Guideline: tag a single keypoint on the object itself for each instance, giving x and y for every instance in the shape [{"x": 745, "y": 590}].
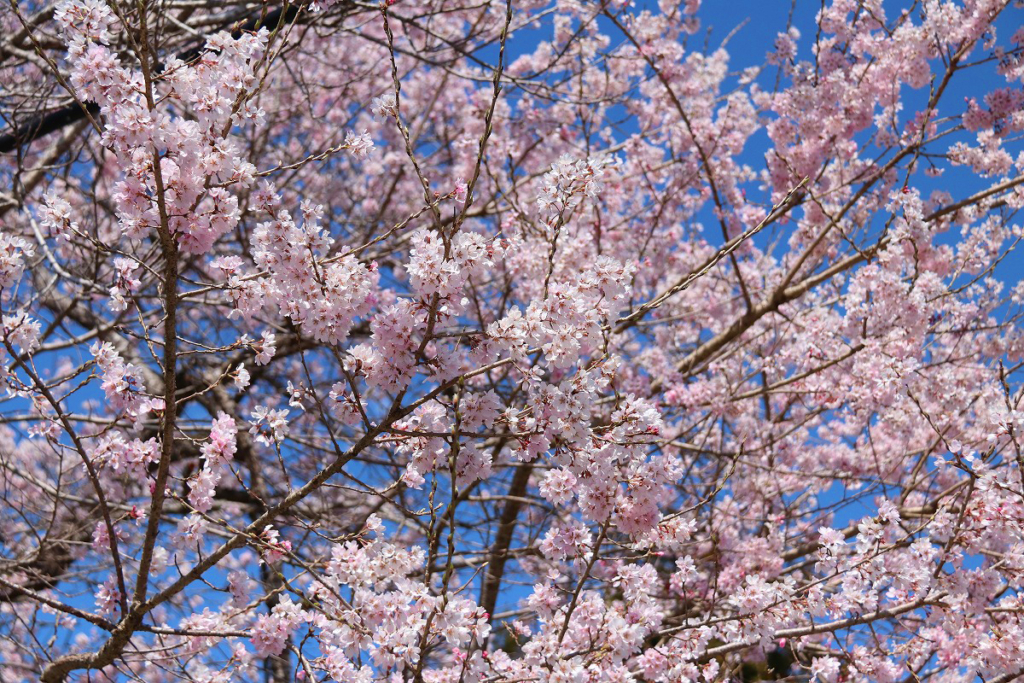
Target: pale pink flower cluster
[
  {"x": 86, "y": 20},
  {"x": 567, "y": 323},
  {"x": 56, "y": 216},
  {"x": 388, "y": 610},
  {"x": 384, "y": 106},
  {"x": 324, "y": 296},
  {"x": 572, "y": 540},
  {"x": 101, "y": 537},
  {"x": 191, "y": 150},
  {"x": 122, "y": 382},
  {"x": 265, "y": 348},
  {"x": 269, "y": 426},
  {"x": 437, "y": 268},
  {"x": 271, "y": 631},
  {"x": 206, "y": 621},
  {"x": 570, "y": 181},
  {"x": 13, "y": 252},
  {"x": 131, "y": 457},
  {"x": 217, "y": 452},
  {"x": 343, "y": 405},
  {"x": 618, "y": 627},
  {"x": 21, "y": 331},
  {"x": 108, "y": 598},
  {"x": 124, "y": 283},
  {"x": 359, "y": 145},
  {"x": 272, "y": 547}
]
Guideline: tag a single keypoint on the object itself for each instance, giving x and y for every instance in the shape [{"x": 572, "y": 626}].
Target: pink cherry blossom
[{"x": 504, "y": 342}]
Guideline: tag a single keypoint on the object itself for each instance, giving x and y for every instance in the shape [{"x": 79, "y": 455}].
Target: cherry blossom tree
[{"x": 510, "y": 340}]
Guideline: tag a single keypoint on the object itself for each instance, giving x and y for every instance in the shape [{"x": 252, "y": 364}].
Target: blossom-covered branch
[{"x": 510, "y": 341}]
